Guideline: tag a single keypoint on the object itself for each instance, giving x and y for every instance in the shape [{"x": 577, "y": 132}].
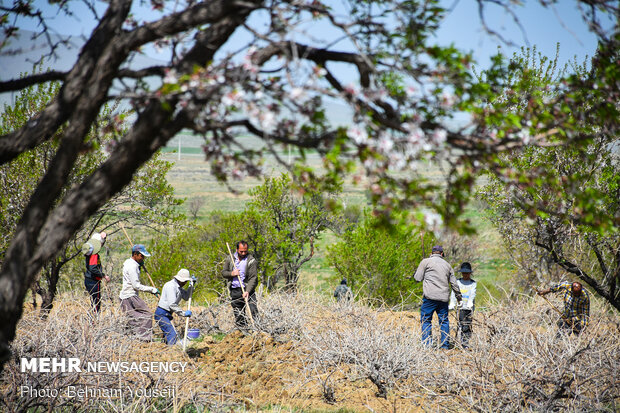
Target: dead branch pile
[{"x": 309, "y": 354}]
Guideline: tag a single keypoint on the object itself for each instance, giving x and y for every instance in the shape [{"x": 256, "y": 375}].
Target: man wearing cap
[
  {"x": 171, "y": 295},
  {"x": 343, "y": 291},
  {"x": 242, "y": 270},
  {"x": 94, "y": 271},
  {"x": 438, "y": 278},
  {"x": 465, "y": 309},
  {"x": 140, "y": 317},
  {"x": 576, "y": 315}
]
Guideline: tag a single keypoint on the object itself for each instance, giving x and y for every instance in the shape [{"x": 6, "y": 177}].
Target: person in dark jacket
[
  {"x": 94, "y": 271},
  {"x": 243, "y": 270},
  {"x": 343, "y": 291}
]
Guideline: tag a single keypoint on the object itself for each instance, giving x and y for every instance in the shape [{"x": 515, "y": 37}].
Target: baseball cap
[
  {"x": 141, "y": 249},
  {"x": 437, "y": 248}
]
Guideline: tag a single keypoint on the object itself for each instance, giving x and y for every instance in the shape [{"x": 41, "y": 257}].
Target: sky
[{"x": 543, "y": 27}]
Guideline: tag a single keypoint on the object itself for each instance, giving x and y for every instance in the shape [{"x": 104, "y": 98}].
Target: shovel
[{"x": 189, "y": 305}]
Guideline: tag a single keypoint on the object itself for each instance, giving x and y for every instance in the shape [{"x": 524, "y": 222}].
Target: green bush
[
  {"x": 378, "y": 261},
  {"x": 200, "y": 249}
]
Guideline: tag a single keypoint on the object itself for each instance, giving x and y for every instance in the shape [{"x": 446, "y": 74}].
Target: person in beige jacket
[{"x": 438, "y": 280}]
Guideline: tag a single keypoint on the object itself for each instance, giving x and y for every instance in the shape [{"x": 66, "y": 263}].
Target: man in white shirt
[
  {"x": 171, "y": 295},
  {"x": 466, "y": 306},
  {"x": 140, "y": 317}
]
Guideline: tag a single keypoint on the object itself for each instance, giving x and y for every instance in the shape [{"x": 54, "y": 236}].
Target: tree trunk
[{"x": 52, "y": 275}]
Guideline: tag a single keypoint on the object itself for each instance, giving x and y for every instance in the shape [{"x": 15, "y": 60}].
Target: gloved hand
[
  {"x": 155, "y": 291},
  {"x": 194, "y": 279},
  {"x": 187, "y": 313}
]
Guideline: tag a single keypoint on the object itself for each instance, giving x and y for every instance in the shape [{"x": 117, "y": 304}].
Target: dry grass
[{"x": 313, "y": 355}]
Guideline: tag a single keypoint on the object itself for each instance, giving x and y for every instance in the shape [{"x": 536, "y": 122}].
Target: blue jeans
[
  {"x": 426, "y": 317},
  {"x": 163, "y": 319}
]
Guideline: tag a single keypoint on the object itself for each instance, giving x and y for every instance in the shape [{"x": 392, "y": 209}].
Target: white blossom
[
  {"x": 171, "y": 76},
  {"x": 297, "y": 93},
  {"x": 385, "y": 144},
  {"x": 447, "y": 100},
  {"x": 432, "y": 219},
  {"x": 397, "y": 160},
  {"x": 440, "y": 136},
  {"x": 410, "y": 91},
  {"x": 358, "y": 135},
  {"x": 267, "y": 119},
  {"x": 415, "y": 135},
  {"x": 524, "y": 136}
]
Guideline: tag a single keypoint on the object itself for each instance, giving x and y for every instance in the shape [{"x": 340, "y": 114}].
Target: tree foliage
[
  {"x": 547, "y": 242},
  {"x": 148, "y": 200},
  {"x": 279, "y": 223},
  {"x": 287, "y": 224},
  {"x": 379, "y": 261},
  {"x": 264, "y": 68},
  {"x": 201, "y": 249}
]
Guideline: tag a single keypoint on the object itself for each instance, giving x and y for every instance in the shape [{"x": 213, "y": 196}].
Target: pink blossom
[
  {"x": 440, "y": 136},
  {"x": 297, "y": 93},
  {"x": 350, "y": 89},
  {"x": 447, "y": 100},
  {"x": 171, "y": 76},
  {"x": 359, "y": 135}
]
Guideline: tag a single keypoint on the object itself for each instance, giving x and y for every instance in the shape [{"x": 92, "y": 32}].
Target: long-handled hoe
[
  {"x": 189, "y": 307},
  {"x": 456, "y": 326},
  {"x": 131, "y": 246},
  {"x": 247, "y": 304}
]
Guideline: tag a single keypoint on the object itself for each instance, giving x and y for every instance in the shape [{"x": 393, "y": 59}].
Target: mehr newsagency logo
[{"x": 75, "y": 365}]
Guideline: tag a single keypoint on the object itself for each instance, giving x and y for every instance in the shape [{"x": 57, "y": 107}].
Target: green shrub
[{"x": 378, "y": 261}]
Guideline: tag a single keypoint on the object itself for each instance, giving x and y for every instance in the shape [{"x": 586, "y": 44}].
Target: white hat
[
  {"x": 183, "y": 275},
  {"x": 99, "y": 236}
]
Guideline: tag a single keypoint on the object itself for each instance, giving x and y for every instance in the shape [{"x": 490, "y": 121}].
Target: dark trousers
[
  {"x": 163, "y": 319},
  {"x": 465, "y": 321},
  {"x": 238, "y": 305},
  {"x": 568, "y": 326},
  {"x": 93, "y": 287}
]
